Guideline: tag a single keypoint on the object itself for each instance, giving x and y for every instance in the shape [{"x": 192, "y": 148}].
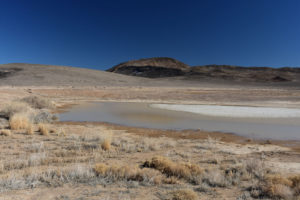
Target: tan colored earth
[{"x": 30, "y": 164}]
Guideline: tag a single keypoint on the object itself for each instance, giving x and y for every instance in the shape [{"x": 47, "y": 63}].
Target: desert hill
[
  {"x": 168, "y": 67},
  {"x": 154, "y": 72},
  {"x": 152, "y": 67},
  {"x": 21, "y": 74}
]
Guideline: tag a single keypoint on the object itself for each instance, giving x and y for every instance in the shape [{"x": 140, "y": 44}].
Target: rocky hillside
[
  {"x": 152, "y": 68},
  {"x": 168, "y": 67}
]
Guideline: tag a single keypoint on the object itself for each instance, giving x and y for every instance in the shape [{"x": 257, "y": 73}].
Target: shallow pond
[{"x": 252, "y": 122}]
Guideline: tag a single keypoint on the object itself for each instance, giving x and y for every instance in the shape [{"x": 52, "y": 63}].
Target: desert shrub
[
  {"x": 276, "y": 186},
  {"x": 19, "y": 121},
  {"x": 127, "y": 173},
  {"x": 3, "y": 123},
  {"x": 215, "y": 178},
  {"x": 50, "y": 177},
  {"x": 61, "y": 132},
  {"x": 295, "y": 180},
  {"x": 38, "y": 102},
  {"x": 15, "y": 107},
  {"x": 186, "y": 171},
  {"x": 106, "y": 144},
  {"x": 255, "y": 167},
  {"x": 36, "y": 158},
  {"x": 278, "y": 191},
  {"x": 186, "y": 194},
  {"x": 278, "y": 179},
  {"x": 5, "y": 132},
  {"x": 43, "y": 129},
  {"x": 29, "y": 129},
  {"x": 43, "y": 116}
]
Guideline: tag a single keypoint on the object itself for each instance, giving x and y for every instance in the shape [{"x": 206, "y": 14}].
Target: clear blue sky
[{"x": 100, "y": 34}]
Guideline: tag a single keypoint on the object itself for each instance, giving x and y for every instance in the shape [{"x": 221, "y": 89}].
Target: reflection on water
[{"x": 142, "y": 115}]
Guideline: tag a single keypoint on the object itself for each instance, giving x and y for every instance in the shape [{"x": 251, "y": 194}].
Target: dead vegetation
[
  {"x": 186, "y": 194},
  {"x": 38, "y": 102},
  {"x": 276, "y": 186},
  {"x": 57, "y": 160},
  {"x": 23, "y": 114},
  {"x": 5, "y": 132},
  {"x": 19, "y": 121},
  {"x": 170, "y": 168},
  {"x": 15, "y": 107},
  {"x": 115, "y": 173},
  {"x": 43, "y": 129},
  {"x": 188, "y": 171}
]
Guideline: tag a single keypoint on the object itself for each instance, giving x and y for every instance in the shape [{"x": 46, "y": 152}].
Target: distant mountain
[
  {"x": 169, "y": 67},
  {"x": 152, "y": 67}
]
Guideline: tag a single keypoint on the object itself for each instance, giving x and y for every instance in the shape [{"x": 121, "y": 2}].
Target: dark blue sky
[{"x": 100, "y": 34}]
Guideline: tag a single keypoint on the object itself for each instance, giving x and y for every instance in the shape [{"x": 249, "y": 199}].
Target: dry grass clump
[
  {"x": 43, "y": 129},
  {"x": 15, "y": 107},
  {"x": 127, "y": 173},
  {"x": 278, "y": 191},
  {"x": 278, "y": 187},
  {"x": 5, "y": 132},
  {"x": 19, "y": 121},
  {"x": 278, "y": 179},
  {"x": 106, "y": 144},
  {"x": 61, "y": 132},
  {"x": 38, "y": 102},
  {"x": 30, "y": 129},
  {"x": 186, "y": 171},
  {"x": 186, "y": 194},
  {"x": 296, "y": 184}
]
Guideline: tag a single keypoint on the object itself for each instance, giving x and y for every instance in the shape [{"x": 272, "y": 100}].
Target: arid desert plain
[{"x": 46, "y": 156}]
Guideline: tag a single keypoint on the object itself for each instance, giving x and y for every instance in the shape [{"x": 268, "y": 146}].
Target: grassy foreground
[{"x": 42, "y": 159}]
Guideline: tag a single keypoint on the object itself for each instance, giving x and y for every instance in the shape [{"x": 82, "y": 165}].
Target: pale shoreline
[{"x": 233, "y": 111}]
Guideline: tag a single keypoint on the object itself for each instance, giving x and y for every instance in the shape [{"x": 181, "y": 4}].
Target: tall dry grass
[
  {"x": 43, "y": 129},
  {"x": 128, "y": 173},
  {"x": 19, "y": 121},
  {"x": 181, "y": 170},
  {"x": 30, "y": 129},
  {"x": 106, "y": 144},
  {"x": 277, "y": 186}
]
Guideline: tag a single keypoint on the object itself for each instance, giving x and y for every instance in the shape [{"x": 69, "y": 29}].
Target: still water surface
[{"x": 281, "y": 124}]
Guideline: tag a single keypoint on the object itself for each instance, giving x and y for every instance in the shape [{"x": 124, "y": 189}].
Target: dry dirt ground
[{"x": 104, "y": 161}]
